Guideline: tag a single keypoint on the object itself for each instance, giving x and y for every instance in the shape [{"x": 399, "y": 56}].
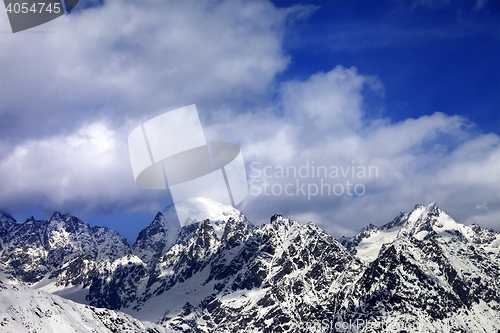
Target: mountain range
[{"x": 423, "y": 271}]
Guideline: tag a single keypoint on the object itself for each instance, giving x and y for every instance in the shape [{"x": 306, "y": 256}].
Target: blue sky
[
  {"x": 411, "y": 87},
  {"x": 430, "y": 55}
]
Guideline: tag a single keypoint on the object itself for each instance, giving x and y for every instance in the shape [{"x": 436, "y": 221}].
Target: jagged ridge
[{"x": 227, "y": 275}]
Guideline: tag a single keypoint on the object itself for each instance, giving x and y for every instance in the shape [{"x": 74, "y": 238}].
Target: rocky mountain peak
[
  {"x": 423, "y": 222},
  {"x": 219, "y": 273},
  {"x": 166, "y": 229},
  {"x": 278, "y": 221},
  {"x": 7, "y": 222},
  {"x": 5, "y": 217},
  {"x": 30, "y": 219},
  {"x": 59, "y": 215},
  {"x": 235, "y": 232},
  {"x": 206, "y": 232}
]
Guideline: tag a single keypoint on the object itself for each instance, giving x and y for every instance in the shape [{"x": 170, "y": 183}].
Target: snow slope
[{"x": 23, "y": 309}]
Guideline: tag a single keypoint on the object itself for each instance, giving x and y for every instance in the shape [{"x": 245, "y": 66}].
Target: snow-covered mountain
[
  {"x": 37, "y": 249},
  {"x": 162, "y": 233},
  {"x": 23, "y": 309},
  {"x": 420, "y": 223},
  {"x": 220, "y": 273}
]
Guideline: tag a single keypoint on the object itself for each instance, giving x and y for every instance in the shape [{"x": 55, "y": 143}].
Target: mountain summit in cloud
[{"x": 220, "y": 273}]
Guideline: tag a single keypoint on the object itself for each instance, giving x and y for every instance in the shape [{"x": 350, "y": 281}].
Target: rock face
[
  {"x": 37, "y": 249},
  {"x": 421, "y": 223},
  {"x": 219, "y": 273}
]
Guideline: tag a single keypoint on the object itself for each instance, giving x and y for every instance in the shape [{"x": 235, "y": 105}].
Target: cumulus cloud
[
  {"x": 72, "y": 89},
  {"x": 70, "y": 99},
  {"x": 129, "y": 59},
  {"x": 87, "y": 171},
  {"x": 330, "y": 100},
  {"x": 432, "y": 158}
]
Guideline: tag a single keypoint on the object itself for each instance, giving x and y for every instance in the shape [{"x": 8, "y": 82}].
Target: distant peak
[
  {"x": 368, "y": 228},
  {"x": 198, "y": 209},
  {"x": 279, "y": 220},
  {"x": 58, "y": 215},
  {"x": 6, "y": 216},
  {"x": 420, "y": 211},
  {"x": 418, "y": 206},
  {"x": 276, "y": 217},
  {"x": 433, "y": 209}
]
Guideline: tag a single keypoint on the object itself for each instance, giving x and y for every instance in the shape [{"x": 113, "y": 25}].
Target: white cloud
[
  {"x": 129, "y": 58},
  {"x": 70, "y": 98},
  {"x": 431, "y": 158},
  {"x": 331, "y": 100},
  {"x": 87, "y": 170}
]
